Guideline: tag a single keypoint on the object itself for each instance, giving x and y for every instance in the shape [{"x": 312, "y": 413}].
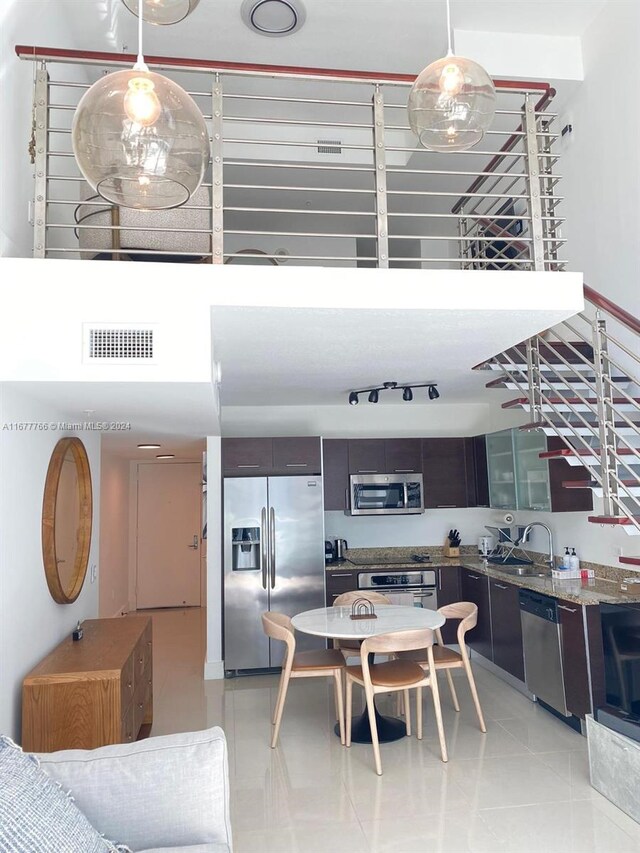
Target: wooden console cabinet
[{"x": 92, "y": 692}]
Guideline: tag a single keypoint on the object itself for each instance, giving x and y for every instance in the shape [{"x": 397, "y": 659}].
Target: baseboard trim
[
  {"x": 489, "y": 665},
  {"x": 213, "y": 670}
]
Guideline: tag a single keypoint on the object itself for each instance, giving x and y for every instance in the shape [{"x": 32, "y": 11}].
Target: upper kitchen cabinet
[
  {"x": 403, "y": 455},
  {"x": 297, "y": 455},
  {"x": 367, "y": 456},
  {"x": 501, "y": 470},
  {"x": 259, "y": 457},
  {"x": 335, "y": 458},
  {"x": 454, "y": 476},
  {"x": 520, "y": 479}
]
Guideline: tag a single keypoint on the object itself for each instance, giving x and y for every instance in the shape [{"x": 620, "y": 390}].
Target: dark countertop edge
[{"x": 586, "y": 597}]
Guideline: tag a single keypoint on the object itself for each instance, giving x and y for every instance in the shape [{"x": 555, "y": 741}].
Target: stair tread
[
  {"x": 582, "y": 451},
  {"x": 501, "y": 381},
  {"x": 547, "y": 350},
  {"x": 521, "y": 401},
  {"x": 594, "y": 484},
  {"x": 630, "y": 561},
  {"x": 613, "y": 519}
]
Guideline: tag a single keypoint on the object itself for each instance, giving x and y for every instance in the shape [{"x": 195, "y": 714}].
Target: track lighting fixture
[{"x": 373, "y": 394}]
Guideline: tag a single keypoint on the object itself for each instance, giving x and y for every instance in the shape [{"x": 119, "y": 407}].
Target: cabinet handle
[
  {"x": 141, "y": 660},
  {"x": 367, "y": 471},
  {"x": 247, "y": 466},
  {"x": 296, "y": 465},
  {"x": 346, "y": 498},
  {"x": 341, "y": 574},
  {"x": 404, "y": 470},
  {"x": 474, "y": 577},
  {"x": 446, "y": 506},
  {"x": 500, "y": 586},
  {"x": 129, "y": 685},
  {"x": 568, "y": 609}
]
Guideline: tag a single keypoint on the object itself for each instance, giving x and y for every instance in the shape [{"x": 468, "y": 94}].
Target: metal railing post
[
  {"x": 380, "y": 163},
  {"x": 41, "y": 136},
  {"x": 606, "y": 418},
  {"x": 217, "y": 174},
  {"x": 535, "y": 383},
  {"x": 534, "y": 188}
]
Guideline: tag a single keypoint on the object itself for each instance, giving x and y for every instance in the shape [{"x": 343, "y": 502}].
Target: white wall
[
  {"x": 31, "y": 623},
  {"x": 213, "y": 667},
  {"x": 114, "y": 534}
]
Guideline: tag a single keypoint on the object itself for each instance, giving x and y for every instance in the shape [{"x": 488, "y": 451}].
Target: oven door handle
[{"x": 406, "y": 495}]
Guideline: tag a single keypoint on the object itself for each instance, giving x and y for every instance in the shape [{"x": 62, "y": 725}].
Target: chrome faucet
[{"x": 550, "y": 560}]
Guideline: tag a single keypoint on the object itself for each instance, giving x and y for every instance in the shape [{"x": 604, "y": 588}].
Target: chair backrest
[
  {"x": 466, "y": 611},
  {"x": 347, "y": 598},
  {"x": 398, "y": 641},
  {"x": 279, "y": 627}
]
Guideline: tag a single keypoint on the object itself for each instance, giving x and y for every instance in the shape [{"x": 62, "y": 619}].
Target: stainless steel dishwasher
[{"x": 542, "y": 645}]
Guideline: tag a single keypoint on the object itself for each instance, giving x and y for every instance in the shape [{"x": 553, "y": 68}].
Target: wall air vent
[
  {"x": 118, "y": 343},
  {"x": 329, "y": 146}
]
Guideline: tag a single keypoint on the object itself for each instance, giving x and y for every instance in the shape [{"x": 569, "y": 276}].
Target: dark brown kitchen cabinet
[
  {"x": 339, "y": 581},
  {"x": 296, "y": 455},
  {"x": 335, "y": 453},
  {"x": 475, "y": 587},
  {"x": 479, "y": 473},
  {"x": 574, "y": 658},
  {"x": 403, "y": 455},
  {"x": 449, "y": 593},
  {"x": 444, "y": 471},
  {"x": 247, "y": 457},
  {"x": 567, "y": 500},
  {"x": 366, "y": 456},
  {"x": 506, "y": 628}
]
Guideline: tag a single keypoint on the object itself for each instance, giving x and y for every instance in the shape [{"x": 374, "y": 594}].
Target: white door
[{"x": 168, "y": 535}]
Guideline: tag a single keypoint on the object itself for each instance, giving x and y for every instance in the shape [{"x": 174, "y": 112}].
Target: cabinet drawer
[
  {"x": 127, "y": 732},
  {"x": 339, "y": 582}
]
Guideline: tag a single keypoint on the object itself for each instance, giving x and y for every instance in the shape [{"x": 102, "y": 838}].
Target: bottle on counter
[
  {"x": 566, "y": 560},
  {"x": 574, "y": 562}
]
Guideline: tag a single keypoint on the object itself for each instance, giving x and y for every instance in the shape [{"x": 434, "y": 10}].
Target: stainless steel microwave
[{"x": 386, "y": 494}]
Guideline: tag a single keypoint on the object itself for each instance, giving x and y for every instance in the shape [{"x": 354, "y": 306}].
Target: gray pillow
[{"x": 36, "y": 815}]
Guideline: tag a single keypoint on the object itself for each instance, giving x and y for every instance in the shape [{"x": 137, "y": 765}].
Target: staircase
[{"x": 581, "y": 383}]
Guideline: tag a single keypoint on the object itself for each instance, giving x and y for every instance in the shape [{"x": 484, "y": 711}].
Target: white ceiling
[{"x": 383, "y": 35}]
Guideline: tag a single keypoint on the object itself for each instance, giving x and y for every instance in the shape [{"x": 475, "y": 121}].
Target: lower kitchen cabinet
[
  {"x": 338, "y": 581},
  {"x": 475, "y": 587},
  {"x": 574, "y": 659},
  {"x": 449, "y": 593},
  {"x": 506, "y": 627}
]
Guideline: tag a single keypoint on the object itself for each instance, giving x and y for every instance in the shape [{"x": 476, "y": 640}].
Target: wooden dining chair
[
  {"x": 351, "y": 648},
  {"x": 447, "y": 659},
  {"x": 393, "y": 676},
  {"x": 313, "y": 664}
]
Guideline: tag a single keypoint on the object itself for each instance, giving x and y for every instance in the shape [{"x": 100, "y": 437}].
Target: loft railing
[{"x": 310, "y": 166}]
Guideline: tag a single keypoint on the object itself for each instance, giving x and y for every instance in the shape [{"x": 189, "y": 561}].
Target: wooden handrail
[
  {"x": 95, "y": 57},
  {"x": 611, "y": 308}
]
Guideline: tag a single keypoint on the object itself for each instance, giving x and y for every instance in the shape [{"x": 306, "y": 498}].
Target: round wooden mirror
[{"x": 67, "y": 511}]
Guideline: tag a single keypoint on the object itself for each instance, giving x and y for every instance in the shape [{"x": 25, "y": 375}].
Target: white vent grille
[
  {"x": 329, "y": 146},
  {"x": 119, "y": 343}
]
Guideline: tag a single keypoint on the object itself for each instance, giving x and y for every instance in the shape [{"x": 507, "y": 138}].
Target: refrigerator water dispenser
[{"x": 246, "y": 549}]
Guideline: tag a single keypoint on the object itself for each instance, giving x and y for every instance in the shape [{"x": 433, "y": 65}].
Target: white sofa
[{"x": 165, "y": 794}]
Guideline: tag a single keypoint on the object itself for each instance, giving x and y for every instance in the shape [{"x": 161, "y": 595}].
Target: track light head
[
  {"x": 353, "y": 399},
  {"x": 373, "y": 396},
  {"x": 433, "y": 392},
  {"x": 407, "y": 395}
]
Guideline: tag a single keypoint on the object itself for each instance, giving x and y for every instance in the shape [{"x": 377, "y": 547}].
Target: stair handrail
[{"x": 609, "y": 307}]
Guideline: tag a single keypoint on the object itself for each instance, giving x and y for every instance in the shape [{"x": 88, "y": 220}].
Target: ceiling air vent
[
  {"x": 329, "y": 146},
  {"x": 119, "y": 343}
]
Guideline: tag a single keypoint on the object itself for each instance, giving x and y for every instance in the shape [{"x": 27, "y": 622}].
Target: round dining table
[{"x": 336, "y": 623}]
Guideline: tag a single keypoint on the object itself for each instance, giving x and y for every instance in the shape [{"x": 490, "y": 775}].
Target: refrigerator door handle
[
  {"x": 272, "y": 545},
  {"x": 263, "y": 545}
]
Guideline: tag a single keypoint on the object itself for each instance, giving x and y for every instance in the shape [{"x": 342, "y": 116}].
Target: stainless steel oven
[
  {"x": 417, "y": 588},
  {"x": 386, "y": 494}
]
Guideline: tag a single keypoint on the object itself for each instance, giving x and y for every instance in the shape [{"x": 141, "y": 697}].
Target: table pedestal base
[{"x": 389, "y": 728}]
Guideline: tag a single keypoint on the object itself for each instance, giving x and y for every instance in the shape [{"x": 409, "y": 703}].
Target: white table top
[{"x": 335, "y": 621}]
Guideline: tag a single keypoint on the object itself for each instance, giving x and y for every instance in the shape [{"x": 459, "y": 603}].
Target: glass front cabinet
[{"x": 518, "y": 478}]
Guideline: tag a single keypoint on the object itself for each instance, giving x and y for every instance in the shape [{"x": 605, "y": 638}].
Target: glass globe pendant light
[
  {"x": 163, "y": 12},
  {"x": 452, "y": 102},
  {"x": 139, "y": 139}
]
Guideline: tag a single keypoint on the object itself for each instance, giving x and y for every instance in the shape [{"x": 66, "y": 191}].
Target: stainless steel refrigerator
[{"x": 273, "y": 560}]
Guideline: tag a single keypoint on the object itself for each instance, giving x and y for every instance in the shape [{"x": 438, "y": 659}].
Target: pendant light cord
[
  {"x": 140, "y": 65},
  {"x": 450, "y": 50}
]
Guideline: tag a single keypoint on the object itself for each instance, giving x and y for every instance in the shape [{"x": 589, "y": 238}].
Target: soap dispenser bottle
[
  {"x": 566, "y": 560},
  {"x": 574, "y": 562}
]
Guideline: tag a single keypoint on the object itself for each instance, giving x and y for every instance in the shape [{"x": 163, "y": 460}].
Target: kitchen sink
[
  {"x": 526, "y": 571},
  {"x": 509, "y": 561}
]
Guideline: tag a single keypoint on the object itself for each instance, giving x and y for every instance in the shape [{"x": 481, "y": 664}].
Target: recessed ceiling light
[
  {"x": 274, "y": 18},
  {"x": 149, "y": 446},
  {"x": 166, "y": 456}
]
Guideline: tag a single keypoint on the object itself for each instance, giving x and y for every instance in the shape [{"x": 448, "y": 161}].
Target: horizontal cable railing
[{"x": 313, "y": 166}]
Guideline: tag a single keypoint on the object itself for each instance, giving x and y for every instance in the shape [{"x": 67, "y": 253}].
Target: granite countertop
[{"x": 592, "y": 591}]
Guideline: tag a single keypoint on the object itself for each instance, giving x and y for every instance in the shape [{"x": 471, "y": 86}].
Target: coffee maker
[{"x": 329, "y": 555}]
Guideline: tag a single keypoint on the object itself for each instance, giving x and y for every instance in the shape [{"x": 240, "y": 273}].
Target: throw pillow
[{"x": 36, "y": 815}]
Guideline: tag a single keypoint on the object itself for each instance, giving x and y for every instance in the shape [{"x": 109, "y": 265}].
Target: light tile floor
[{"x": 524, "y": 786}]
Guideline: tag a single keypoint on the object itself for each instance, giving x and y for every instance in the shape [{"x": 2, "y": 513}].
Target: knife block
[{"x": 451, "y": 552}]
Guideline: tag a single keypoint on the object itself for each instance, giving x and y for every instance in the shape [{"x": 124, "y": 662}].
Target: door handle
[
  {"x": 263, "y": 545},
  {"x": 272, "y": 543},
  {"x": 194, "y": 545}
]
